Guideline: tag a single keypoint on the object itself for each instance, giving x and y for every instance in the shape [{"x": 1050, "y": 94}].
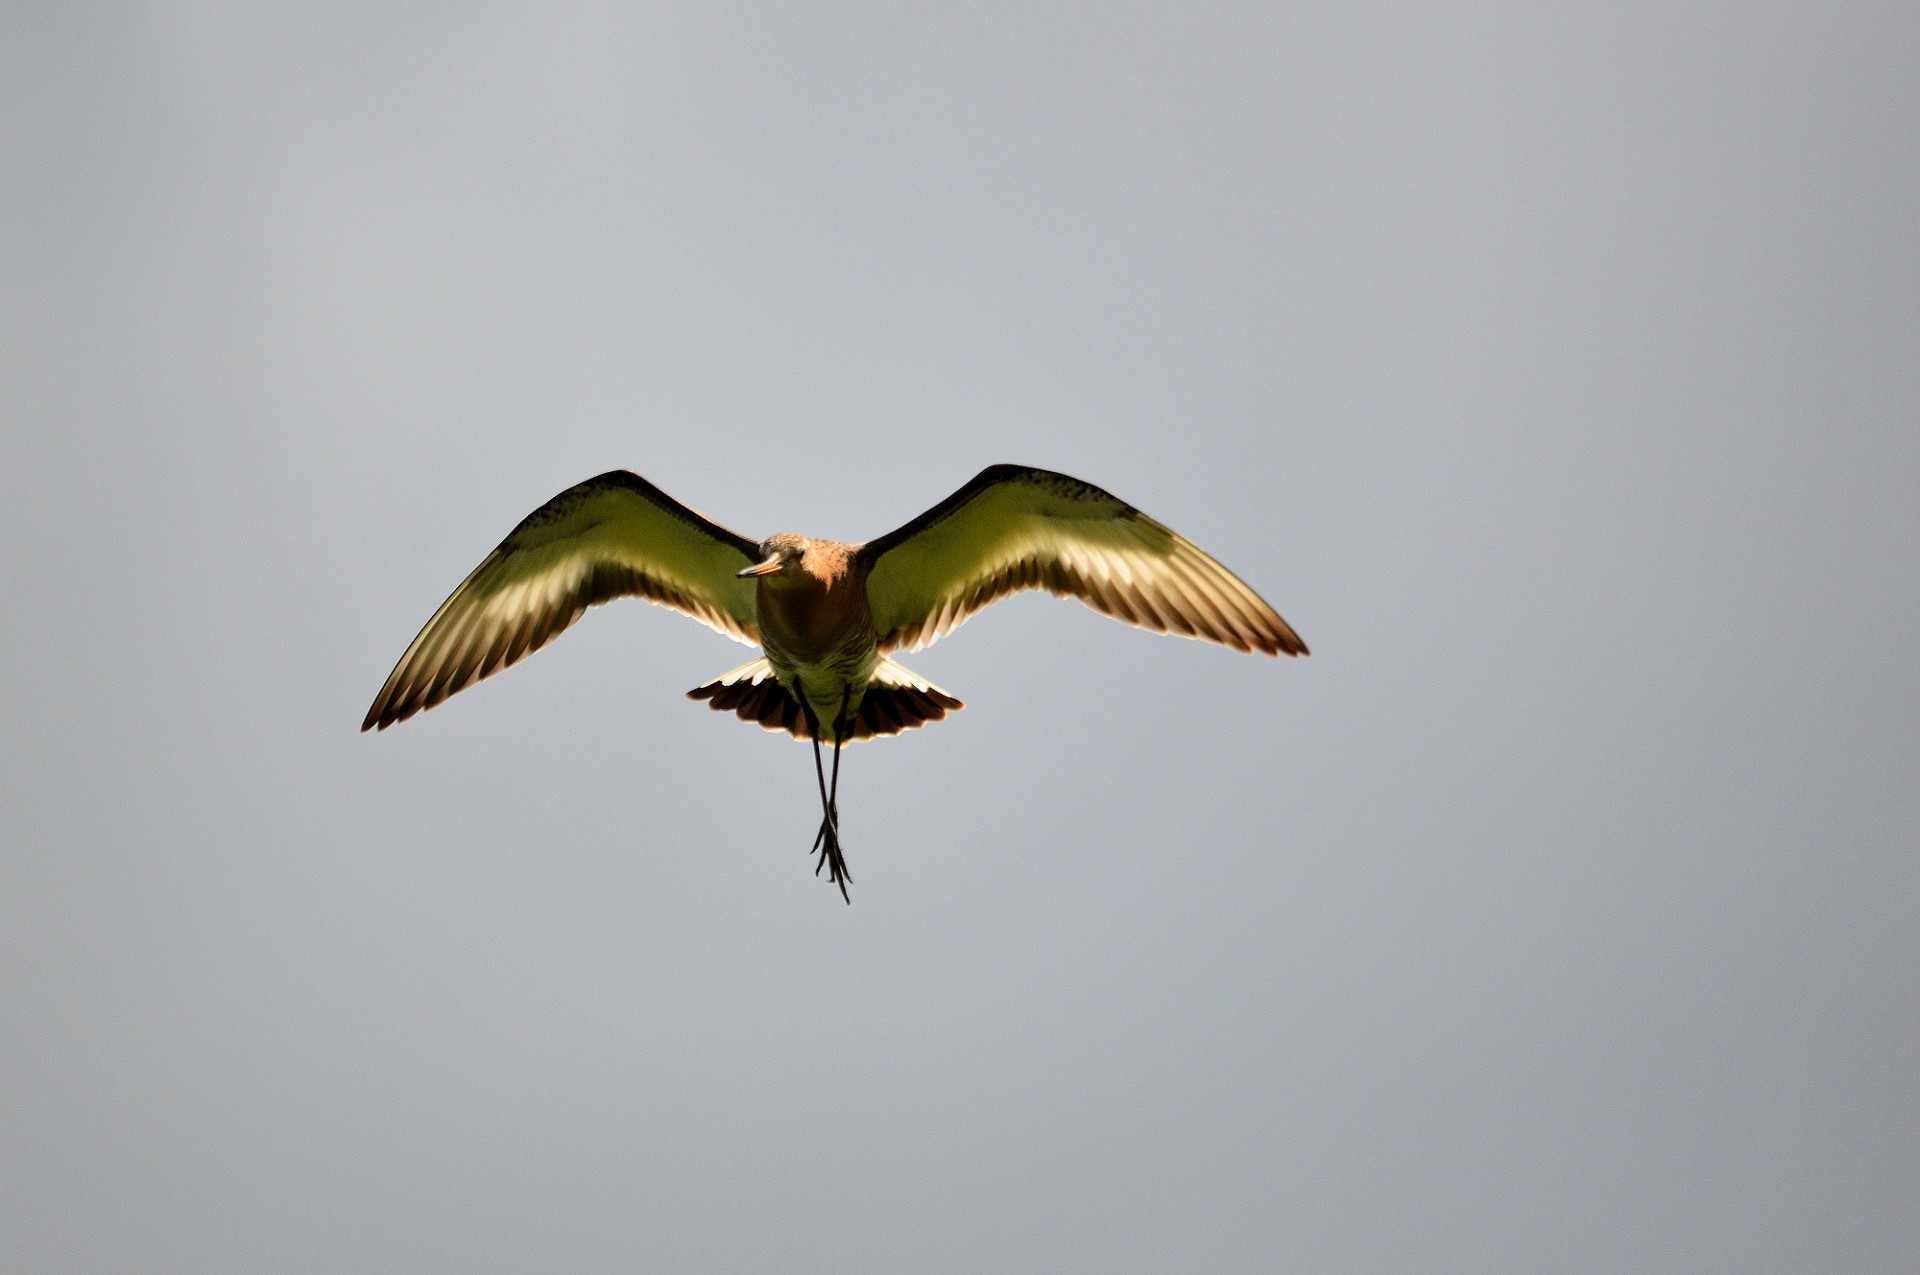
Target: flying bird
[{"x": 824, "y": 614}]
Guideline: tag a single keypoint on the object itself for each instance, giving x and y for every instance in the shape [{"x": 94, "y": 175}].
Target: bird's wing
[
  {"x": 612, "y": 536},
  {"x": 1016, "y": 528}
]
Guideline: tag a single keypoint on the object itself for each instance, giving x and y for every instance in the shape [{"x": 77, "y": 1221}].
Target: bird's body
[
  {"x": 817, "y": 630},
  {"x": 825, "y": 614}
]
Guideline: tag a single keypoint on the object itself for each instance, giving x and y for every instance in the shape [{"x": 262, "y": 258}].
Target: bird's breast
[
  {"x": 819, "y": 640},
  {"x": 806, "y": 622}
]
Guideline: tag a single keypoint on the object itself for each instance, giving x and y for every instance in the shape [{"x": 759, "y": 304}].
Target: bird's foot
[{"x": 826, "y": 843}]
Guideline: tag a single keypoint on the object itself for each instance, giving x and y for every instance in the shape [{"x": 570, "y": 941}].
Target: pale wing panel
[{"x": 1014, "y": 528}]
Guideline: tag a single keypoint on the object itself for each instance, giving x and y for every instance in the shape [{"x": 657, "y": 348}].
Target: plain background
[{"x": 1554, "y": 368}]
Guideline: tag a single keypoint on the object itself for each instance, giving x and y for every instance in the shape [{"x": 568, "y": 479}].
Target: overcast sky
[{"x": 1554, "y": 369}]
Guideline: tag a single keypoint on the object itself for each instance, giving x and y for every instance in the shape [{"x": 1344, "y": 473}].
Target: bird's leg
[
  {"x": 840, "y": 725},
  {"x": 830, "y": 794},
  {"x": 827, "y": 840},
  {"x": 826, "y": 804}
]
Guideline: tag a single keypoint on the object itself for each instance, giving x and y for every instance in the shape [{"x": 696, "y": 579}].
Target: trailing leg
[
  {"x": 840, "y": 724},
  {"x": 827, "y": 840}
]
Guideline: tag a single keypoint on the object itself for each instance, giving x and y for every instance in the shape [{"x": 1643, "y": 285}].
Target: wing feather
[
  {"x": 1015, "y": 528},
  {"x": 613, "y": 536}
]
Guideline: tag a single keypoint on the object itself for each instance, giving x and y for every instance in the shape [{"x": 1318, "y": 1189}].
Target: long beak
[{"x": 767, "y": 568}]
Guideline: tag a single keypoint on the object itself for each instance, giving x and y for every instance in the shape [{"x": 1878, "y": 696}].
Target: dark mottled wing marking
[
  {"x": 613, "y": 536},
  {"x": 1016, "y": 528}
]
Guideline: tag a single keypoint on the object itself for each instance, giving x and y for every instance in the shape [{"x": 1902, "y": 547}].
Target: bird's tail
[{"x": 896, "y": 700}]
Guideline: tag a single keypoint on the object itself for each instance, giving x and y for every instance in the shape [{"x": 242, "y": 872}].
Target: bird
[{"x": 825, "y": 615}]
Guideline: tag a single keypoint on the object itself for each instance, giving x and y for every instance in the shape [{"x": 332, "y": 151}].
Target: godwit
[{"x": 825, "y": 614}]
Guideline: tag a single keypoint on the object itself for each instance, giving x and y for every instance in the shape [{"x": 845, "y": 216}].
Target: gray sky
[{"x": 1554, "y": 369}]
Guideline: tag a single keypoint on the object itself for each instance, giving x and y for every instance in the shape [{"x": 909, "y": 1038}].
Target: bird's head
[{"x": 779, "y": 556}]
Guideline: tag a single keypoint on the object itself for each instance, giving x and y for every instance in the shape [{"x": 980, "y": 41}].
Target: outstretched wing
[
  {"x": 1016, "y": 528},
  {"x": 612, "y": 536}
]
